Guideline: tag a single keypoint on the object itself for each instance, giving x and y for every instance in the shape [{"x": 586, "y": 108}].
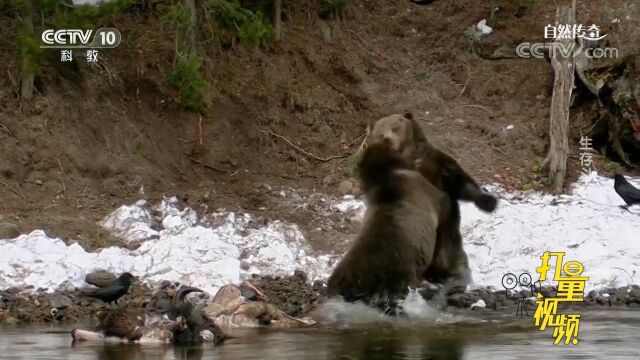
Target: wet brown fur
[
  {"x": 124, "y": 322},
  {"x": 396, "y": 243},
  {"x": 450, "y": 264}
]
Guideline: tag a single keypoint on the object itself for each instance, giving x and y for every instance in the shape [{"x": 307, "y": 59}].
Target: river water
[{"x": 604, "y": 334}]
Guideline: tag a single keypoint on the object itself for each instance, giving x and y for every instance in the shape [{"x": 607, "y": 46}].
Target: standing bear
[
  {"x": 396, "y": 243},
  {"x": 450, "y": 264}
]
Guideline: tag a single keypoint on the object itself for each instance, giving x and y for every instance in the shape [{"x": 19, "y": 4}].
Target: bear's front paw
[{"x": 486, "y": 202}]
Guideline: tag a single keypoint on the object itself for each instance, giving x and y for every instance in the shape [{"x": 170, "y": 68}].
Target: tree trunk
[
  {"x": 27, "y": 76},
  {"x": 277, "y": 18},
  {"x": 563, "y": 68},
  {"x": 192, "y": 27}
]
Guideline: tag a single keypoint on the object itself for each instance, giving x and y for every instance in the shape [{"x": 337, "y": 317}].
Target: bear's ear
[{"x": 408, "y": 114}]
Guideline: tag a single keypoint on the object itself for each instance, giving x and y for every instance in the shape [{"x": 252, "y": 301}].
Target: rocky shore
[{"x": 293, "y": 294}]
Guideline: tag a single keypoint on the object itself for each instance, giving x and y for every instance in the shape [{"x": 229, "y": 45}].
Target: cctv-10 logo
[{"x": 76, "y": 38}]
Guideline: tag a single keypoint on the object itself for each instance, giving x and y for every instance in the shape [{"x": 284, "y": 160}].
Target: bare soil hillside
[{"x": 95, "y": 138}]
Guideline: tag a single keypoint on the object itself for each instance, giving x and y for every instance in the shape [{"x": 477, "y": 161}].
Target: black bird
[
  {"x": 111, "y": 293},
  {"x": 629, "y": 193}
]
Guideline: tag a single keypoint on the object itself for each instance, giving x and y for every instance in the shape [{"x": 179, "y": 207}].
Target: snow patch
[
  {"x": 206, "y": 252},
  {"x": 480, "y": 303},
  {"x": 223, "y": 247},
  {"x": 483, "y": 27},
  {"x": 587, "y": 224}
]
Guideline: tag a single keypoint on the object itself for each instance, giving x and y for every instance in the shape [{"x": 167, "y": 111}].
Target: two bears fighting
[{"x": 411, "y": 230}]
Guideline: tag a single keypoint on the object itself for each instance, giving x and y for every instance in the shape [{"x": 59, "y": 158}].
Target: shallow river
[{"x": 612, "y": 334}]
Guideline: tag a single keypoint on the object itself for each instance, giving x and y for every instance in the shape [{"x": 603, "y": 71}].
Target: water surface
[{"x": 609, "y": 334}]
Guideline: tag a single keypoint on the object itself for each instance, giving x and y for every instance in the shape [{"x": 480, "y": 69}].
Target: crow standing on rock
[
  {"x": 111, "y": 293},
  {"x": 629, "y": 193}
]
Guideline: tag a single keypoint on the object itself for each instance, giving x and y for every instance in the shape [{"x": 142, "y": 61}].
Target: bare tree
[
  {"x": 27, "y": 76},
  {"x": 563, "y": 68},
  {"x": 192, "y": 27},
  {"x": 277, "y": 18}
]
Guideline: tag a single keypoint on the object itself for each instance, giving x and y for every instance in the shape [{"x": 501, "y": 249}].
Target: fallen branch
[
  {"x": 199, "y": 138},
  {"x": 6, "y": 129},
  {"x": 362, "y": 145},
  {"x": 14, "y": 83},
  {"x": 498, "y": 149},
  {"x": 466, "y": 83},
  {"x": 209, "y": 166},
  {"x": 304, "y": 151},
  {"x": 62, "y": 176},
  {"x": 479, "y": 107},
  {"x": 356, "y": 139},
  {"x": 13, "y": 190},
  {"x": 200, "y": 130}
]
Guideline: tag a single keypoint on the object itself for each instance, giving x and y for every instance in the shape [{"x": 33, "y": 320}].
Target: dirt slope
[{"x": 93, "y": 139}]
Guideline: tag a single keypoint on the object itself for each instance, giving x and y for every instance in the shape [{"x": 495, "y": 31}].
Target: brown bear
[
  {"x": 450, "y": 265},
  {"x": 397, "y": 241}
]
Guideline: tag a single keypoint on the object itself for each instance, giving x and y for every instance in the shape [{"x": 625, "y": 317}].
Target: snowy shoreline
[{"x": 224, "y": 247}]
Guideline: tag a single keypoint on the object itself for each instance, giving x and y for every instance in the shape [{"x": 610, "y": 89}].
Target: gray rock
[
  {"x": 633, "y": 300},
  {"x": 66, "y": 286},
  {"x": 100, "y": 278},
  {"x": 601, "y": 300},
  {"x": 501, "y": 298},
  {"x": 548, "y": 291},
  {"x": 530, "y": 301},
  {"x": 621, "y": 294},
  {"x": 634, "y": 293},
  {"x": 9, "y": 230},
  {"x": 59, "y": 301},
  {"x": 462, "y": 300},
  {"x": 318, "y": 285},
  {"x": 525, "y": 293},
  {"x": 300, "y": 275},
  {"x": 345, "y": 187},
  {"x": 487, "y": 296},
  {"x": 292, "y": 309}
]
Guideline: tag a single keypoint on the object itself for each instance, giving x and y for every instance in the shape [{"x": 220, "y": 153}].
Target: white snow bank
[
  {"x": 203, "y": 252},
  {"x": 225, "y": 247},
  {"x": 588, "y": 225}
]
